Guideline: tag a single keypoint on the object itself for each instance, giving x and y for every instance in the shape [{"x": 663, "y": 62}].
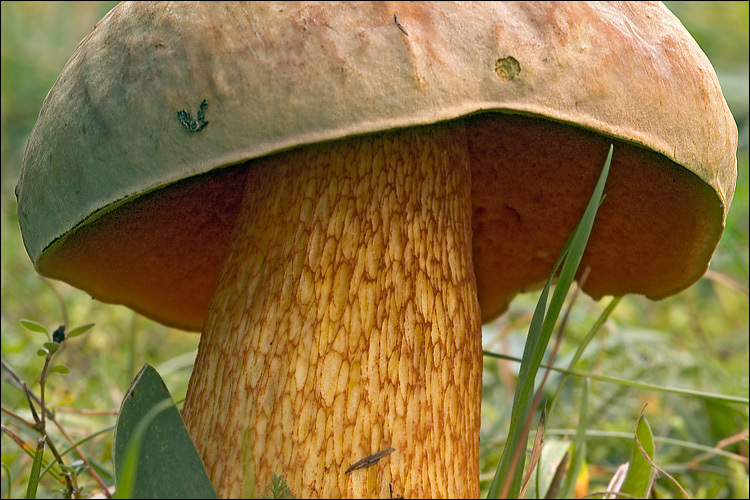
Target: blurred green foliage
[{"x": 697, "y": 339}]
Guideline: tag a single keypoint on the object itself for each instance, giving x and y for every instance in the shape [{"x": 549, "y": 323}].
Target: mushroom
[{"x": 338, "y": 197}]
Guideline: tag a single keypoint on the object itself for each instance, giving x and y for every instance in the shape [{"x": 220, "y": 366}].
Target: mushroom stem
[{"x": 346, "y": 322}]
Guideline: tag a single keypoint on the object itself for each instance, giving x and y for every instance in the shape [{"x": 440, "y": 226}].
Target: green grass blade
[
  {"x": 507, "y": 480},
  {"x": 510, "y": 466},
  {"x": 709, "y": 396},
  {"x": 36, "y": 468},
  {"x": 579, "y": 446},
  {"x": 9, "y": 477},
  {"x": 599, "y": 434},
  {"x": 582, "y": 347}
]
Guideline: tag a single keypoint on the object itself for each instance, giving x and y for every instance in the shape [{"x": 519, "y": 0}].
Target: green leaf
[
  {"x": 75, "y": 332},
  {"x": 638, "y": 478},
  {"x": 36, "y": 467},
  {"x": 154, "y": 455},
  {"x": 77, "y": 468},
  {"x": 34, "y": 326},
  {"x": 52, "y": 347},
  {"x": 42, "y": 352},
  {"x": 128, "y": 467},
  {"x": 60, "y": 369}
]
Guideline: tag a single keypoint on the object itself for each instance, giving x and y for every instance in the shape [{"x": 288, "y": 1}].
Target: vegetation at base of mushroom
[
  {"x": 697, "y": 339},
  {"x": 41, "y": 415},
  {"x": 566, "y": 468},
  {"x": 278, "y": 488}
]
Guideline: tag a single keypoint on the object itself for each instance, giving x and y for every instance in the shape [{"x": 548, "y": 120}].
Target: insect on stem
[{"x": 369, "y": 461}]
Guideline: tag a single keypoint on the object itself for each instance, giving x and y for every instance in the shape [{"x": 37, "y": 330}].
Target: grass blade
[
  {"x": 582, "y": 347},
  {"x": 708, "y": 396},
  {"x": 36, "y": 467},
  {"x": 8, "y": 477},
  {"x": 507, "y": 480},
  {"x": 579, "y": 446}
]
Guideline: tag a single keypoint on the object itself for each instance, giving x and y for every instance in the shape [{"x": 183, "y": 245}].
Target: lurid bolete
[{"x": 339, "y": 195}]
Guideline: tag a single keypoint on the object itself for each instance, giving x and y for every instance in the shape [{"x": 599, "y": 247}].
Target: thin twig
[
  {"x": 60, "y": 299},
  {"x": 19, "y": 383},
  {"x": 41, "y": 428},
  {"x": 726, "y": 281},
  {"x": 27, "y": 393},
  {"x": 17, "y": 439},
  {"x": 18, "y": 417},
  {"x": 82, "y": 456},
  {"x": 42, "y": 384},
  {"x": 86, "y": 411},
  {"x": 693, "y": 463}
]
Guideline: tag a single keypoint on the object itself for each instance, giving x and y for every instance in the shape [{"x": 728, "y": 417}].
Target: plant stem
[{"x": 16, "y": 380}]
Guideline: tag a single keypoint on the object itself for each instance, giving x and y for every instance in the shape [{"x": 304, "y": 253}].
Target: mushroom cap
[{"x": 108, "y": 141}]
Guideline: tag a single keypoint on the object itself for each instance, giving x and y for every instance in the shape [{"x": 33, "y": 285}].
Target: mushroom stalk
[{"x": 346, "y": 322}]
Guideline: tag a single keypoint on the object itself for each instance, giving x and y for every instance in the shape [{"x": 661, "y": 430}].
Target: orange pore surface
[
  {"x": 654, "y": 234},
  {"x": 160, "y": 254},
  {"x": 531, "y": 180}
]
